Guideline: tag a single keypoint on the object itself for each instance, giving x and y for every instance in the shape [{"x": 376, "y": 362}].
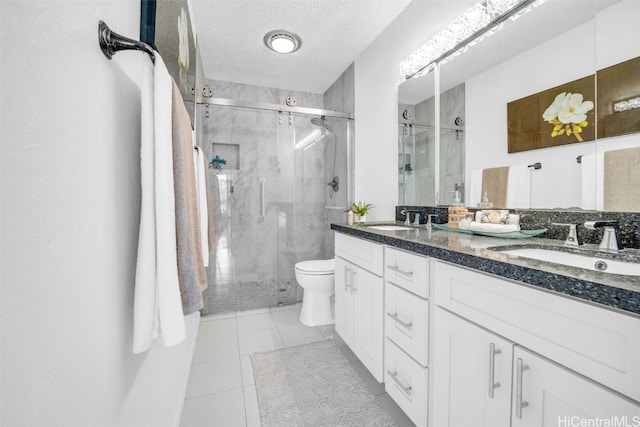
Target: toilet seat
[{"x": 317, "y": 267}]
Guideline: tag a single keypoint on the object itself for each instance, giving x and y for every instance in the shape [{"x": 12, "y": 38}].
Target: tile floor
[{"x": 221, "y": 391}]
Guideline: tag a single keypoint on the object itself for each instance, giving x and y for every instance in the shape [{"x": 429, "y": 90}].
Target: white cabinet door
[
  {"x": 368, "y": 320},
  {"x": 471, "y": 371},
  {"x": 344, "y": 300},
  {"x": 546, "y": 394}
]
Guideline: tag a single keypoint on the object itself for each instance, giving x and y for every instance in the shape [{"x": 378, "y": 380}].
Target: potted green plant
[{"x": 360, "y": 209}]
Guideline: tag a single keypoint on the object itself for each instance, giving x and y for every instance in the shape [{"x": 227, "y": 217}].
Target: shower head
[{"x": 321, "y": 123}]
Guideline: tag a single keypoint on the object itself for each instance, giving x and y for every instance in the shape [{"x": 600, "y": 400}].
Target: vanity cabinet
[
  {"x": 483, "y": 379},
  {"x": 506, "y": 354},
  {"x": 406, "y": 347},
  {"x": 472, "y": 375},
  {"x": 359, "y": 300}
]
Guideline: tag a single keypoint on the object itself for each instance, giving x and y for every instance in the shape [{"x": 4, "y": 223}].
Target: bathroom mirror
[
  {"x": 523, "y": 58},
  {"x": 166, "y": 25}
]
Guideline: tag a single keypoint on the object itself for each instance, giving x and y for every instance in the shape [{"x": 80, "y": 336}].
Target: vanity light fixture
[
  {"x": 477, "y": 23},
  {"x": 626, "y": 105},
  {"x": 282, "y": 41}
]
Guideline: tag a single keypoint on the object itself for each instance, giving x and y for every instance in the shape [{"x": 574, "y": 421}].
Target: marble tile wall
[
  {"x": 340, "y": 97},
  {"x": 451, "y": 144}
]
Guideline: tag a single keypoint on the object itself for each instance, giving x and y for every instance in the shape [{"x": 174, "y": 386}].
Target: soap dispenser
[
  {"x": 457, "y": 202},
  {"x": 484, "y": 202}
]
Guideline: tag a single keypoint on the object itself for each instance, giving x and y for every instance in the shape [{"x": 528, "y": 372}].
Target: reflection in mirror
[
  {"x": 416, "y": 144},
  {"x": 452, "y": 144},
  {"x": 524, "y": 58},
  {"x": 617, "y": 162}
]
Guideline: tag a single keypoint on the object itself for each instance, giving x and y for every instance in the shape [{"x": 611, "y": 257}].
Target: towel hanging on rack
[{"x": 157, "y": 303}]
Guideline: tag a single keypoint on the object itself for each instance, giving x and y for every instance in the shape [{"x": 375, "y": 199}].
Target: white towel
[
  {"x": 493, "y": 228},
  {"x": 475, "y": 188},
  {"x": 592, "y": 183},
  {"x": 519, "y": 187},
  {"x": 145, "y": 324},
  {"x": 201, "y": 188},
  {"x": 167, "y": 284},
  {"x": 157, "y": 304}
]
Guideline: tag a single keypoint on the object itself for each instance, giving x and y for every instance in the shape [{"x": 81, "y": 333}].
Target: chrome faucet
[
  {"x": 407, "y": 213},
  {"x": 417, "y": 219},
  {"x": 572, "y": 237},
  {"x": 609, "y": 239}
]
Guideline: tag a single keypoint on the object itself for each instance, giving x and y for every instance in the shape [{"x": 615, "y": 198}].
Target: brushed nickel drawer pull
[
  {"x": 404, "y": 388},
  {"x": 396, "y": 318},
  {"x": 397, "y": 269},
  {"x": 492, "y": 366}
]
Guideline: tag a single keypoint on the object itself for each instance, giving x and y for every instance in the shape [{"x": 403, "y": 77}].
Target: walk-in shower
[{"x": 281, "y": 177}]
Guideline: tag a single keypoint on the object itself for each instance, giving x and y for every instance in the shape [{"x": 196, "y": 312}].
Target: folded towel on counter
[
  {"x": 494, "y": 182},
  {"x": 193, "y": 278},
  {"x": 511, "y": 217},
  {"x": 493, "y": 216},
  {"x": 157, "y": 304},
  {"x": 493, "y": 228}
]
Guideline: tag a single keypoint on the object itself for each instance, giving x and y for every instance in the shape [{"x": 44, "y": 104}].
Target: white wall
[
  {"x": 70, "y": 206},
  {"x": 376, "y": 98}
]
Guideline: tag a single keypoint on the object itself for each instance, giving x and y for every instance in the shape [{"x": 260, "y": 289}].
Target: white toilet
[{"x": 317, "y": 279}]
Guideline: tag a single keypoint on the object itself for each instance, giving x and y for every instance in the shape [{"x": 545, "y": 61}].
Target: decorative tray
[{"x": 522, "y": 234}]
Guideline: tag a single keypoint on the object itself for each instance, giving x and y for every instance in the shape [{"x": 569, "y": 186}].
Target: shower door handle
[{"x": 263, "y": 199}]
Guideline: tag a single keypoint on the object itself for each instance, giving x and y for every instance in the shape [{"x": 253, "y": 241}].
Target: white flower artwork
[{"x": 568, "y": 114}]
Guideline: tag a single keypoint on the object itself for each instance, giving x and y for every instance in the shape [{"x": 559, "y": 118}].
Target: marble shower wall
[
  {"x": 340, "y": 97},
  {"x": 451, "y": 144},
  {"x": 417, "y": 185},
  {"x": 253, "y": 262}
]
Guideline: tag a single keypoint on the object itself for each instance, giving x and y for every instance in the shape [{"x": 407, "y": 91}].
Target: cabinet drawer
[
  {"x": 408, "y": 271},
  {"x": 406, "y": 382},
  {"x": 360, "y": 252},
  {"x": 601, "y": 344},
  {"x": 407, "y": 322}
]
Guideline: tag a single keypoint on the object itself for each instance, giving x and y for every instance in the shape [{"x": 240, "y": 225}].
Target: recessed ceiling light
[{"x": 282, "y": 41}]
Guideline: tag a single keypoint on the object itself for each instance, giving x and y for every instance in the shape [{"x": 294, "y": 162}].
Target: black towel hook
[{"x": 111, "y": 42}]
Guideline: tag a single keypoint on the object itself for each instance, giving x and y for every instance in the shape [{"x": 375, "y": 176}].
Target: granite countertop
[{"x": 617, "y": 291}]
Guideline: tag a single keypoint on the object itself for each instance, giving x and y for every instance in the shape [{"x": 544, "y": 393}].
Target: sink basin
[
  {"x": 578, "y": 260},
  {"x": 389, "y": 227}
]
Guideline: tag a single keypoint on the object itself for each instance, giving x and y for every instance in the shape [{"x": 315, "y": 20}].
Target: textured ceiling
[{"x": 333, "y": 32}]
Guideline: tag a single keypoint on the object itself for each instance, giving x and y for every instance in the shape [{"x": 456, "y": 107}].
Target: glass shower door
[{"x": 243, "y": 271}]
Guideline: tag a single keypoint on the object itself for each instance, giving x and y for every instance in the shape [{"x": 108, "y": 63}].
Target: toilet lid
[{"x": 320, "y": 266}]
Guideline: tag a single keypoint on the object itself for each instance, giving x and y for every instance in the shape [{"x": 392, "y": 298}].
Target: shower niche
[{"x": 226, "y": 156}]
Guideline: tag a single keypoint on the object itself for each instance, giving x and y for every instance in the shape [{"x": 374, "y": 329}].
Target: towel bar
[{"x": 111, "y": 42}]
